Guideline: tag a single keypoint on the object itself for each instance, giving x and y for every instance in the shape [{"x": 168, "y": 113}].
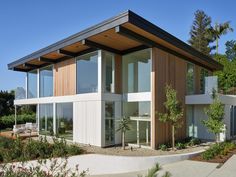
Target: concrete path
[{"x": 188, "y": 168}]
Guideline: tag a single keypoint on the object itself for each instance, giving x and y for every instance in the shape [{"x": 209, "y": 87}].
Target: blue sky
[{"x": 28, "y": 25}]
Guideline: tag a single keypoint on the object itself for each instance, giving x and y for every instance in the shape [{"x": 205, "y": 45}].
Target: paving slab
[{"x": 227, "y": 170}]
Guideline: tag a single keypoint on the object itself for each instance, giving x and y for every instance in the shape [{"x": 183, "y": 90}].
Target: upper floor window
[
  {"x": 46, "y": 81},
  {"x": 204, "y": 73},
  {"x": 32, "y": 84},
  {"x": 190, "y": 79},
  {"x": 109, "y": 71},
  {"x": 137, "y": 71},
  {"x": 87, "y": 73}
]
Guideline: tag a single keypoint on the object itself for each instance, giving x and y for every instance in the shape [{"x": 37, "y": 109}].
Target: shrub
[
  {"x": 163, "y": 147},
  {"x": 9, "y": 121},
  {"x": 218, "y": 149},
  {"x": 73, "y": 150},
  {"x": 180, "y": 146}
]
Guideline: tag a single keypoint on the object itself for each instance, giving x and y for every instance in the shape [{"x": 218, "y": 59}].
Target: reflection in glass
[
  {"x": 109, "y": 123},
  {"x": 87, "y": 73},
  {"x": 204, "y": 73},
  {"x": 190, "y": 79},
  {"x": 108, "y": 59},
  {"x": 46, "y": 119},
  {"x": 137, "y": 71},
  {"x": 64, "y": 120},
  {"x": 46, "y": 81},
  {"x": 32, "y": 84}
]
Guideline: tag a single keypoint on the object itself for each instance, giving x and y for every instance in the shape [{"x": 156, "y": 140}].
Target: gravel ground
[
  {"x": 137, "y": 151},
  {"x": 134, "y": 151}
]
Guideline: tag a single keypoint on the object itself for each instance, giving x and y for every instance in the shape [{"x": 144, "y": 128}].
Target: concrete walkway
[{"x": 188, "y": 168}]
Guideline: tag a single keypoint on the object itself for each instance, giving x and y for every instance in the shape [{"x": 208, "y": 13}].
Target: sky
[{"x": 29, "y": 25}]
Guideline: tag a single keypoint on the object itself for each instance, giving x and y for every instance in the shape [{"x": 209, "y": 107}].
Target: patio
[{"x": 11, "y": 135}]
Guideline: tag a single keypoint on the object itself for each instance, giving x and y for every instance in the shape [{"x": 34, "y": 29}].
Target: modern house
[{"x": 84, "y": 84}]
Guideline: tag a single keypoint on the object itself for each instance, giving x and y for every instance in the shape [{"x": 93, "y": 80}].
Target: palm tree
[
  {"x": 218, "y": 30},
  {"x": 124, "y": 125}
]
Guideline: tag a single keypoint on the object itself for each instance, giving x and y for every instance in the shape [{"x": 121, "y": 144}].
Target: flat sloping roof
[{"x": 121, "y": 34}]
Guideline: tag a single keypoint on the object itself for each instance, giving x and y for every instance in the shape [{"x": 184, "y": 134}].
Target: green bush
[
  {"x": 163, "y": 147},
  {"x": 218, "y": 149},
  {"x": 17, "y": 150},
  {"x": 9, "y": 121},
  {"x": 180, "y": 146}
]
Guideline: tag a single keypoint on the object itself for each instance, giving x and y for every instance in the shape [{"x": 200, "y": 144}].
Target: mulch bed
[{"x": 218, "y": 159}]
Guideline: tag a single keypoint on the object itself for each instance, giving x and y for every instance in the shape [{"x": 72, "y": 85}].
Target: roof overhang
[{"x": 122, "y": 34}]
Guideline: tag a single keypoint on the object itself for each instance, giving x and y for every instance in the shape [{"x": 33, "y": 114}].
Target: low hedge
[
  {"x": 218, "y": 149},
  {"x": 18, "y": 150},
  {"x": 9, "y": 121}
]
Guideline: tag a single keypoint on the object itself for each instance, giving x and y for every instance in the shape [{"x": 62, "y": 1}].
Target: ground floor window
[
  {"x": 109, "y": 123},
  {"x": 139, "y": 113},
  {"x": 46, "y": 119},
  {"x": 64, "y": 120}
]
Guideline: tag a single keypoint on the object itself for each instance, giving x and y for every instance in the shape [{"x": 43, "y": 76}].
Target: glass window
[
  {"x": 87, "y": 73},
  {"x": 46, "y": 119},
  {"x": 137, "y": 71},
  {"x": 109, "y": 71},
  {"x": 64, "y": 120},
  {"x": 32, "y": 84},
  {"x": 139, "y": 113},
  {"x": 204, "y": 73},
  {"x": 190, "y": 79},
  {"x": 109, "y": 123},
  {"x": 46, "y": 81}
]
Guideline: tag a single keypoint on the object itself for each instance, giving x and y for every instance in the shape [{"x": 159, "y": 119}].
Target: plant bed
[
  {"x": 18, "y": 150},
  {"x": 217, "y": 153}
]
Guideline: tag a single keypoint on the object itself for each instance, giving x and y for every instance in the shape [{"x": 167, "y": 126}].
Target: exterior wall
[
  {"x": 65, "y": 78},
  {"x": 166, "y": 69}
]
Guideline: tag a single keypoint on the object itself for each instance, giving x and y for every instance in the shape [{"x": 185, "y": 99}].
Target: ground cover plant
[{"x": 18, "y": 150}]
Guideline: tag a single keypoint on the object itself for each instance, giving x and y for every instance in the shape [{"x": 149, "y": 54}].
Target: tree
[
  {"x": 227, "y": 76},
  {"x": 124, "y": 125},
  {"x": 215, "y": 113},
  {"x": 200, "y": 37},
  {"x": 174, "y": 112},
  {"x": 218, "y": 30},
  {"x": 231, "y": 49},
  {"x": 6, "y": 103}
]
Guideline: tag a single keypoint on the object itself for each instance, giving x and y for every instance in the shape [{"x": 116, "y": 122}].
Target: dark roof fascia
[
  {"x": 103, "y": 26},
  {"x": 162, "y": 34}
]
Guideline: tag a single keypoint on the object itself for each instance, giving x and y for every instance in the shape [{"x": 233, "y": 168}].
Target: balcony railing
[{"x": 20, "y": 93}]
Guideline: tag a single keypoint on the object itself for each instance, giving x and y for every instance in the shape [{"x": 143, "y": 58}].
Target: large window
[
  {"x": 64, "y": 120},
  {"x": 32, "y": 84},
  {"x": 139, "y": 113},
  {"x": 137, "y": 71},
  {"x": 87, "y": 73},
  {"x": 46, "y": 82},
  {"x": 109, "y": 123},
  {"x": 46, "y": 119},
  {"x": 204, "y": 73},
  {"x": 233, "y": 121},
  {"x": 190, "y": 79},
  {"x": 109, "y": 71}
]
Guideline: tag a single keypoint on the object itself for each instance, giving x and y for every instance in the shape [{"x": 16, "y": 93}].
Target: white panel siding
[{"x": 87, "y": 122}]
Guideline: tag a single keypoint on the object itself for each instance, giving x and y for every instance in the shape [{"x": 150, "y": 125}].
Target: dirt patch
[
  {"x": 217, "y": 159},
  {"x": 137, "y": 151}
]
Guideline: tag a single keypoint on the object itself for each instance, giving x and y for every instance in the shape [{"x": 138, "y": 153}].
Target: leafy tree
[
  {"x": 200, "y": 37},
  {"x": 174, "y": 112},
  {"x": 227, "y": 76},
  {"x": 215, "y": 113},
  {"x": 231, "y": 49},
  {"x": 218, "y": 30},
  {"x": 124, "y": 125},
  {"x": 6, "y": 102}
]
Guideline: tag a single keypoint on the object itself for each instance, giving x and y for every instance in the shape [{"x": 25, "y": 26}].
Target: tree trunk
[
  {"x": 217, "y": 45},
  {"x": 173, "y": 137},
  {"x": 123, "y": 140},
  {"x": 217, "y": 137}
]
